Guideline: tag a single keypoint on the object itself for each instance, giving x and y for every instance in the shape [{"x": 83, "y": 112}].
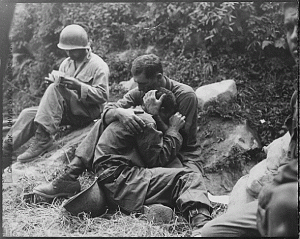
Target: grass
[
  {"x": 21, "y": 218},
  {"x": 50, "y": 220}
]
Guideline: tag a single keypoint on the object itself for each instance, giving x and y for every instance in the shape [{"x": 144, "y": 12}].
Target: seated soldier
[
  {"x": 131, "y": 181},
  {"x": 275, "y": 213},
  {"x": 77, "y": 99}
]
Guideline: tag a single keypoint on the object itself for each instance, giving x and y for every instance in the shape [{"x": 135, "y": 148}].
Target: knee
[
  {"x": 52, "y": 87},
  {"x": 215, "y": 227},
  {"x": 28, "y": 113}
]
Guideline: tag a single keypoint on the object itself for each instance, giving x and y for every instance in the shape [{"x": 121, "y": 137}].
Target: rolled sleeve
[{"x": 84, "y": 91}]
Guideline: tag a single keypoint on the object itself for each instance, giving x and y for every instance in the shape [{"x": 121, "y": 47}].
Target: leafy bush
[{"x": 199, "y": 43}]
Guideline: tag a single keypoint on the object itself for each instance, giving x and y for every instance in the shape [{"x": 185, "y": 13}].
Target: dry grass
[
  {"x": 23, "y": 219},
  {"x": 50, "y": 220}
]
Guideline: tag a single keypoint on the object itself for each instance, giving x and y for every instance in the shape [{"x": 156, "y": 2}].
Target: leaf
[
  {"x": 280, "y": 43},
  {"x": 266, "y": 43},
  {"x": 209, "y": 37}
]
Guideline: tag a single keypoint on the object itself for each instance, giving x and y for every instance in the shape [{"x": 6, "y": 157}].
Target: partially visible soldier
[
  {"x": 275, "y": 213},
  {"x": 76, "y": 100}
]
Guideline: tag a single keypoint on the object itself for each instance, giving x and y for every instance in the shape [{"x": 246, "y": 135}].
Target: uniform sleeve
[
  {"x": 131, "y": 99},
  {"x": 156, "y": 149},
  {"x": 288, "y": 174},
  {"x": 189, "y": 108},
  {"x": 97, "y": 91}
]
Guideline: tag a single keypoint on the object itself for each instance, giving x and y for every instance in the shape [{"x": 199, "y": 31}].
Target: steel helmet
[
  {"x": 91, "y": 200},
  {"x": 73, "y": 37}
]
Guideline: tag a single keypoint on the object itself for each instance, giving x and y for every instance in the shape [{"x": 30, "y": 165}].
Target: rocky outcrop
[
  {"x": 223, "y": 144},
  {"x": 220, "y": 91},
  {"x": 46, "y": 165}
]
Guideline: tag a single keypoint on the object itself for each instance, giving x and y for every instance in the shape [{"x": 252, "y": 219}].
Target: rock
[
  {"x": 42, "y": 168},
  {"x": 128, "y": 85},
  {"x": 222, "y": 142},
  {"x": 220, "y": 91},
  {"x": 158, "y": 214},
  {"x": 224, "y": 137}
]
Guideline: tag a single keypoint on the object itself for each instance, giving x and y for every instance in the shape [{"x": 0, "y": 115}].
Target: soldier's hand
[
  {"x": 70, "y": 83},
  {"x": 177, "y": 121},
  {"x": 130, "y": 120},
  {"x": 151, "y": 104}
]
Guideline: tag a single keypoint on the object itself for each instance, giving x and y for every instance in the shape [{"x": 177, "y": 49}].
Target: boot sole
[{"x": 55, "y": 195}]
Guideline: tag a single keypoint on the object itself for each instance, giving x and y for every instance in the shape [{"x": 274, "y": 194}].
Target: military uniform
[
  {"x": 187, "y": 105},
  {"x": 61, "y": 106},
  {"x": 131, "y": 169}
]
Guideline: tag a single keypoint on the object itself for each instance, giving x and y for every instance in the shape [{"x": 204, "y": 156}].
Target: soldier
[
  {"x": 76, "y": 100},
  {"x": 131, "y": 167},
  {"x": 275, "y": 213},
  {"x": 147, "y": 71}
]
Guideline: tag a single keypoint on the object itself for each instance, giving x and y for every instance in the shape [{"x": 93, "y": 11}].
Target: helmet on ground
[
  {"x": 73, "y": 37},
  {"x": 91, "y": 200}
]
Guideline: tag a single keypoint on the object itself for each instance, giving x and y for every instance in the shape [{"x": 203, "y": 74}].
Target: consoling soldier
[{"x": 147, "y": 71}]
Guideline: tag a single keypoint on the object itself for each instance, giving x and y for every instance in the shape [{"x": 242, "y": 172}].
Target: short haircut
[
  {"x": 169, "y": 101},
  {"x": 149, "y": 64}
]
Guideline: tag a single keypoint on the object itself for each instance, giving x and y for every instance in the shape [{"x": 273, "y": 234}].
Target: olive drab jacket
[
  {"x": 117, "y": 146},
  {"x": 187, "y": 105}
]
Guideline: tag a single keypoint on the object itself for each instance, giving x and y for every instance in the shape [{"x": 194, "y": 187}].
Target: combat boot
[
  {"x": 198, "y": 217},
  {"x": 65, "y": 185},
  {"x": 41, "y": 143}
]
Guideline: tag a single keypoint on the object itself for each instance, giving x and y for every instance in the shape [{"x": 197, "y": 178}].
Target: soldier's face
[
  {"x": 145, "y": 84},
  {"x": 291, "y": 27},
  {"x": 77, "y": 54}
]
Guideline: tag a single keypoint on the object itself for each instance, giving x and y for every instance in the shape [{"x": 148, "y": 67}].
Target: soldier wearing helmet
[{"x": 76, "y": 98}]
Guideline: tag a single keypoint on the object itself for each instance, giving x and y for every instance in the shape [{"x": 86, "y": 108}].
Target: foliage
[
  {"x": 199, "y": 43},
  {"x": 34, "y": 34}
]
